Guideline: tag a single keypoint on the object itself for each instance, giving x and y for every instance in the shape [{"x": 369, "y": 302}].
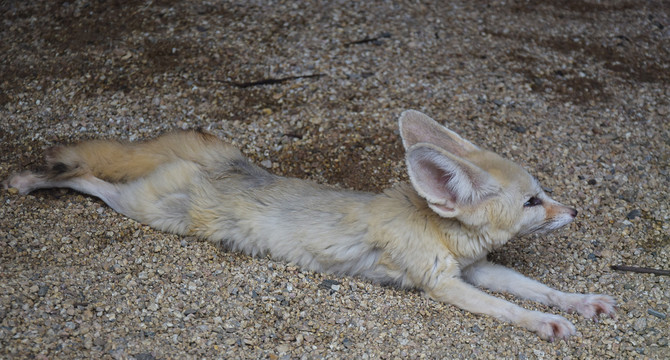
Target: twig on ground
[
  {"x": 375, "y": 40},
  {"x": 271, "y": 81},
  {"x": 643, "y": 270}
]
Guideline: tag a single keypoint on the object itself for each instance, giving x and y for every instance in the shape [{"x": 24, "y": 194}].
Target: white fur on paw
[
  {"x": 552, "y": 327},
  {"x": 592, "y": 305},
  {"x": 24, "y": 182}
]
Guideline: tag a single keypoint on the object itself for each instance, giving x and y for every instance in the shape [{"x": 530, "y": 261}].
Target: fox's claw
[
  {"x": 592, "y": 306},
  {"x": 552, "y": 327}
]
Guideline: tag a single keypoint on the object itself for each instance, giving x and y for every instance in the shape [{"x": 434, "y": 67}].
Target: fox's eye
[{"x": 533, "y": 201}]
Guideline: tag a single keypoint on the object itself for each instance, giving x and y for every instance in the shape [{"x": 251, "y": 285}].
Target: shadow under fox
[{"x": 433, "y": 233}]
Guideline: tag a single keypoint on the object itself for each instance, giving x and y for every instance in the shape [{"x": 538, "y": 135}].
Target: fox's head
[{"x": 479, "y": 188}]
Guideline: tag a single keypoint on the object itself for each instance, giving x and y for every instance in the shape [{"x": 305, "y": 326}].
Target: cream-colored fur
[{"x": 433, "y": 233}]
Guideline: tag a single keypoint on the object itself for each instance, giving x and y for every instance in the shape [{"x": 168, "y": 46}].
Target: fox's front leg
[
  {"x": 455, "y": 291},
  {"x": 499, "y": 278}
]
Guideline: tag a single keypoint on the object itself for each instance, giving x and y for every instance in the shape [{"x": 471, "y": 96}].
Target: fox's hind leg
[
  {"x": 161, "y": 199},
  {"x": 28, "y": 181},
  {"x": 154, "y": 182},
  {"x": 64, "y": 169},
  {"x": 57, "y": 171},
  {"x": 150, "y": 182}
]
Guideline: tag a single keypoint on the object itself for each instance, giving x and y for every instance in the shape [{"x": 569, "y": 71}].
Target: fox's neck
[{"x": 403, "y": 204}]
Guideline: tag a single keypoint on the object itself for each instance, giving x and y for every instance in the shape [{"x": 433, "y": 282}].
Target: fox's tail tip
[
  {"x": 61, "y": 162},
  {"x": 52, "y": 153}
]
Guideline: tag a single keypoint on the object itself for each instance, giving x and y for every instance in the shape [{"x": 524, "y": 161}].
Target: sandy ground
[{"x": 578, "y": 92}]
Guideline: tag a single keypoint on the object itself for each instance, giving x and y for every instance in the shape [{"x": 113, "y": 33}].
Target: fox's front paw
[
  {"x": 592, "y": 305},
  {"x": 550, "y": 327}
]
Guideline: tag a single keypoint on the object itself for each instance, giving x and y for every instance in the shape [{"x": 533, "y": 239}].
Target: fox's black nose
[{"x": 573, "y": 213}]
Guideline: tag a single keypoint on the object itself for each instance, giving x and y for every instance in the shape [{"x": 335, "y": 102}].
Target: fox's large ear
[
  {"x": 447, "y": 181},
  {"x": 416, "y": 127}
]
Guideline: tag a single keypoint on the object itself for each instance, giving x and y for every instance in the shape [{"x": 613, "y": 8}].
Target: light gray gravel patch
[{"x": 576, "y": 91}]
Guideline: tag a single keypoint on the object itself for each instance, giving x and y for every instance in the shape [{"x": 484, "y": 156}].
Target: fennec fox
[{"x": 432, "y": 234}]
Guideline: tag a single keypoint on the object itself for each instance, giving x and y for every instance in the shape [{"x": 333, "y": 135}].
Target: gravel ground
[{"x": 579, "y": 93}]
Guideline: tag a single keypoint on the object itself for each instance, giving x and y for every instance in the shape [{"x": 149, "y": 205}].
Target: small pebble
[
  {"x": 190, "y": 311},
  {"x": 520, "y": 129},
  {"x": 144, "y": 356},
  {"x": 640, "y": 324},
  {"x": 658, "y": 314},
  {"x": 633, "y": 214},
  {"x": 330, "y": 284}
]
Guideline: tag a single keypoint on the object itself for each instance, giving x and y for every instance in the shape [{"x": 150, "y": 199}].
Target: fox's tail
[{"x": 115, "y": 161}]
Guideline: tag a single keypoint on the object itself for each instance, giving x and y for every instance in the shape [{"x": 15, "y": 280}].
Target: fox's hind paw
[{"x": 24, "y": 182}]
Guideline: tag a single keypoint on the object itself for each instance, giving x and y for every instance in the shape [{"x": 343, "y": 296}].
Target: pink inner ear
[{"x": 437, "y": 180}]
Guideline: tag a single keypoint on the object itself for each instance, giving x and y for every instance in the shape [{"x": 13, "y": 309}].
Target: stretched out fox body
[{"x": 433, "y": 233}]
